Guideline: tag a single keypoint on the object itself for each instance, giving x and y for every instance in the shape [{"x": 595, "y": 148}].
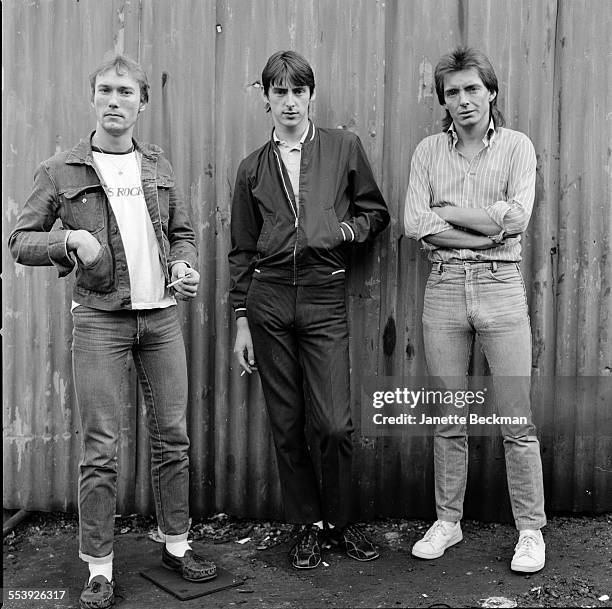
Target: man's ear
[
  {"x": 142, "y": 107},
  {"x": 313, "y": 96},
  {"x": 265, "y": 100},
  {"x": 492, "y": 95}
]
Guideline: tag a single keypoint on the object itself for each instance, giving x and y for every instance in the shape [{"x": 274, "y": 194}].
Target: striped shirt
[{"x": 499, "y": 179}]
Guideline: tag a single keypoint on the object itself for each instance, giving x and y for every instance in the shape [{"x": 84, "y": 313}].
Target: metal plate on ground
[{"x": 172, "y": 582}]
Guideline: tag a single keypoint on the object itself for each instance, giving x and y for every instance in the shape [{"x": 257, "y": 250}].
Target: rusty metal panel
[
  {"x": 582, "y": 269},
  {"x": 373, "y": 64},
  {"x": 46, "y": 109}
]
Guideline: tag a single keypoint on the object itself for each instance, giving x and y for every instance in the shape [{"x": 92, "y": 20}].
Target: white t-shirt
[{"x": 121, "y": 173}]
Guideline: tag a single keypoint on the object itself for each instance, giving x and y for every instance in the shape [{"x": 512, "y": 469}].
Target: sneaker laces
[
  {"x": 308, "y": 537},
  {"x": 355, "y": 531},
  {"x": 437, "y": 530},
  {"x": 526, "y": 544}
]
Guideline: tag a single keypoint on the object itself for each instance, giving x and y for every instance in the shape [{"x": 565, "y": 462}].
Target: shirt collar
[
  {"x": 284, "y": 143},
  {"x": 486, "y": 140}
]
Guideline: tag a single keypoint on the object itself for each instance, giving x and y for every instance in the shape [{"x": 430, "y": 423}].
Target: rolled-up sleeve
[
  {"x": 32, "y": 242},
  {"x": 514, "y": 213},
  {"x": 419, "y": 220}
]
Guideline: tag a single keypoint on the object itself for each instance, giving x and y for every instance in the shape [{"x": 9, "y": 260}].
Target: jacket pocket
[
  {"x": 84, "y": 208},
  {"x": 265, "y": 235},
  {"x": 99, "y": 276},
  {"x": 326, "y": 231}
]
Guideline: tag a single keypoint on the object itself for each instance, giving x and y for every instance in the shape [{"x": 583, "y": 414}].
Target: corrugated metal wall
[{"x": 373, "y": 63}]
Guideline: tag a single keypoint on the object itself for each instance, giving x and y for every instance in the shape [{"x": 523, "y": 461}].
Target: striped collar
[{"x": 487, "y": 140}]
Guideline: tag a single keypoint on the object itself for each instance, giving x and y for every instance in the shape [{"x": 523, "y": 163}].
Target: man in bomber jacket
[{"x": 298, "y": 202}]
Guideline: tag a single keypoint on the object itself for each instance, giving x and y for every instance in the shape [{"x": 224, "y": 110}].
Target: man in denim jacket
[{"x": 127, "y": 233}]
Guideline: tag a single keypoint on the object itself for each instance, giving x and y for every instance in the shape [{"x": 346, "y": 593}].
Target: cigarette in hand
[
  {"x": 242, "y": 373},
  {"x": 175, "y": 282}
]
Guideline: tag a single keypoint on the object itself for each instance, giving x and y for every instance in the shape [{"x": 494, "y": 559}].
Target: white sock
[
  {"x": 177, "y": 548},
  {"x": 535, "y": 532},
  {"x": 319, "y": 524},
  {"x": 105, "y": 569},
  {"x": 448, "y": 524}
]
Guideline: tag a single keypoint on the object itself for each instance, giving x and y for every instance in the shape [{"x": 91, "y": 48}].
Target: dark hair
[
  {"x": 122, "y": 65},
  {"x": 287, "y": 67},
  {"x": 465, "y": 58}
]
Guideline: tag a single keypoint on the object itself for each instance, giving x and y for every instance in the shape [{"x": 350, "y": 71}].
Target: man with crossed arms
[{"x": 470, "y": 197}]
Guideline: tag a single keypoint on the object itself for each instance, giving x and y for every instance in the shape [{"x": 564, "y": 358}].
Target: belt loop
[
  {"x": 439, "y": 268},
  {"x": 493, "y": 266}
]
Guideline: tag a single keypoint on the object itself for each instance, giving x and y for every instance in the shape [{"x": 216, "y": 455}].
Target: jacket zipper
[{"x": 293, "y": 209}]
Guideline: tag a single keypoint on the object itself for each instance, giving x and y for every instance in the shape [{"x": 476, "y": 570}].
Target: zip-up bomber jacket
[
  {"x": 275, "y": 240},
  {"x": 67, "y": 186}
]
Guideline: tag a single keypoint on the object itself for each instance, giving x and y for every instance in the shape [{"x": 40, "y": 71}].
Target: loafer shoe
[
  {"x": 440, "y": 536},
  {"x": 98, "y": 593},
  {"x": 354, "y": 542},
  {"x": 192, "y": 567},
  {"x": 306, "y": 551},
  {"x": 529, "y": 552}
]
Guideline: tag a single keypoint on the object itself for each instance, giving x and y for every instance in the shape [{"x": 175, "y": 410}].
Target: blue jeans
[
  {"x": 102, "y": 343},
  {"x": 462, "y": 299}
]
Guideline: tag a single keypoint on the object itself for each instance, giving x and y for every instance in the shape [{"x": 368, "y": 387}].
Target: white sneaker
[
  {"x": 529, "y": 552},
  {"x": 441, "y": 535}
]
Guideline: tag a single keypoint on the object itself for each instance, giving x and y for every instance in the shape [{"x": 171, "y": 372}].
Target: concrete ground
[{"x": 41, "y": 553}]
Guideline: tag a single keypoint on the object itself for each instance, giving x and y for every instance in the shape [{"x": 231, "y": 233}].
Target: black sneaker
[
  {"x": 306, "y": 551},
  {"x": 354, "y": 542}
]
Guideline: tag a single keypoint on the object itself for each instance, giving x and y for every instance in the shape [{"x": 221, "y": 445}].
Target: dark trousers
[{"x": 300, "y": 339}]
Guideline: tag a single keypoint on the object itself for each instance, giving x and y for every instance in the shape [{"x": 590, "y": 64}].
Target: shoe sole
[
  {"x": 452, "y": 542},
  {"x": 363, "y": 559},
  {"x": 82, "y": 606},
  {"x": 527, "y": 569},
  {"x": 189, "y": 579},
  {"x": 305, "y": 568}
]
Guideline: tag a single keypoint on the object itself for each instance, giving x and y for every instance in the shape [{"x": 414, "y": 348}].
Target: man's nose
[
  {"x": 290, "y": 100},
  {"x": 463, "y": 100},
  {"x": 113, "y": 99}
]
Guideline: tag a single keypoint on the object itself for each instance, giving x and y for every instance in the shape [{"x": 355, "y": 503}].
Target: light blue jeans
[
  {"x": 102, "y": 343},
  {"x": 463, "y": 299}
]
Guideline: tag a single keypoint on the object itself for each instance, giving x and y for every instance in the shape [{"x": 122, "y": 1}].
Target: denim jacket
[{"x": 69, "y": 188}]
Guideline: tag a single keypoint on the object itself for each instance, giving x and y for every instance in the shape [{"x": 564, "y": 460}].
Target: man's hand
[
  {"x": 243, "y": 347},
  {"x": 188, "y": 280},
  {"x": 84, "y": 245}
]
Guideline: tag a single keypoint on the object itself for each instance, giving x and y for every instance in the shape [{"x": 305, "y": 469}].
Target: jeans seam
[
  {"x": 145, "y": 381},
  {"x": 123, "y": 377}
]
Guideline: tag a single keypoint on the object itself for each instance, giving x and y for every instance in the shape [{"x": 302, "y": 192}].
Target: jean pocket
[
  {"x": 435, "y": 278},
  {"x": 507, "y": 274}
]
